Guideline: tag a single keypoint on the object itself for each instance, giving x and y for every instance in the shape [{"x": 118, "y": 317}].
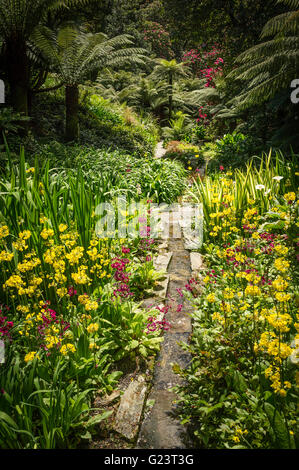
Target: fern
[
  {"x": 270, "y": 66},
  {"x": 73, "y": 53}
]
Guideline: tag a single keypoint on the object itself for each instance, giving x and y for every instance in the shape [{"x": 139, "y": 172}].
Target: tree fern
[
  {"x": 169, "y": 70},
  {"x": 72, "y": 54},
  {"x": 270, "y": 66},
  {"x": 18, "y": 20}
]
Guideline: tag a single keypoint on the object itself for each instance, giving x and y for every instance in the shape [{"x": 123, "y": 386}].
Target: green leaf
[
  {"x": 239, "y": 382},
  {"x": 278, "y": 425},
  {"x": 98, "y": 418},
  {"x": 5, "y": 417}
]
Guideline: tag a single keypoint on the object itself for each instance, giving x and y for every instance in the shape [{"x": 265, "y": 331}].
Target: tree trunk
[
  {"x": 170, "y": 98},
  {"x": 18, "y": 77},
  {"x": 72, "y": 108}
]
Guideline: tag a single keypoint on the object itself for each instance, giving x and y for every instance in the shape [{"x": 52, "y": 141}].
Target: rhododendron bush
[{"x": 205, "y": 63}]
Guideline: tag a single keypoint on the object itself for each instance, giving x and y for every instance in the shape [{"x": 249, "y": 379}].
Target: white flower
[
  {"x": 267, "y": 192},
  {"x": 259, "y": 186},
  {"x": 277, "y": 178},
  {"x": 294, "y": 357}
]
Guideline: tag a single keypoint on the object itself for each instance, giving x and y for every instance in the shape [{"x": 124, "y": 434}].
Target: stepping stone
[
  {"x": 130, "y": 409},
  {"x": 162, "y": 287},
  {"x": 196, "y": 262},
  {"x": 107, "y": 399},
  {"x": 160, "y": 150},
  {"x": 191, "y": 242},
  {"x": 163, "y": 246},
  {"x": 162, "y": 261}
]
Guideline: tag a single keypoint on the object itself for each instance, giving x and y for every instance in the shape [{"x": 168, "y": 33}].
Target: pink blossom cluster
[
  {"x": 159, "y": 40},
  {"x": 5, "y": 326},
  {"x": 155, "y": 325},
  {"x": 71, "y": 291},
  {"x": 122, "y": 277},
  {"x": 205, "y": 64},
  {"x": 50, "y": 317}
]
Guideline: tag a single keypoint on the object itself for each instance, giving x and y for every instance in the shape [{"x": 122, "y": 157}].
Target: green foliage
[
  {"x": 113, "y": 171},
  {"x": 233, "y": 150},
  {"x": 271, "y": 66},
  {"x": 179, "y": 127},
  {"x": 240, "y": 390},
  {"x": 188, "y": 154},
  {"x": 11, "y": 121},
  {"x": 73, "y": 54},
  {"x": 102, "y": 110}
]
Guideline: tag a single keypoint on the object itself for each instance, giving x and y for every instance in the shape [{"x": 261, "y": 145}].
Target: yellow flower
[
  {"x": 281, "y": 265},
  {"x": 6, "y": 256},
  {"x": 66, "y": 348},
  {"x": 280, "y": 284},
  {"x": 62, "y": 227},
  {"x": 91, "y": 305},
  {"x": 61, "y": 292},
  {"x": 93, "y": 328},
  {"x": 30, "y": 356},
  {"x": 4, "y": 232},
  {"x": 25, "y": 235},
  {"x": 282, "y": 297},
  {"x": 75, "y": 255},
  {"x": 46, "y": 233},
  {"x": 290, "y": 197},
  {"x": 83, "y": 299},
  {"x": 211, "y": 298},
  {"x": 281, "y": 250},
  {"x": 252, "y": 290},
  {"x": 81, "y": 277}
]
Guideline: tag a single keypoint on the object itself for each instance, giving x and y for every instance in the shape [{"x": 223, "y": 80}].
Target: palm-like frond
[
  {"x": 290, "y": 3},
  {"x": 19, "y": 18},
  {"x": 164, "y": 68},
  {"x": 73, "y": 54},
  {"x": 284, "y": 23},
  {"x": 270, "y": 66}
]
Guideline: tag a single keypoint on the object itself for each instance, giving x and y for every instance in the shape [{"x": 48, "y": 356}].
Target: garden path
[
  {"x": 160, "y": 429},
  {"x": 160, "y": 150}
]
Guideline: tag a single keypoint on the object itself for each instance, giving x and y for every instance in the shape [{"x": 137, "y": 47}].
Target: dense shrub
[
  {"x": 187, "y": 153},
  {"x": 158, "y": 179},
  {"x": 234, "y": 150}
]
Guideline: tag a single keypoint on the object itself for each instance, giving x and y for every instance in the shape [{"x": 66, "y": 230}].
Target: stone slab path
[
  {"x": 160, "y": 150},
  {"x": 160, "y": 429}
]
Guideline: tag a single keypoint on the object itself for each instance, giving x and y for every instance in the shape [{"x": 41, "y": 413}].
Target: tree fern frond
[
  {"x": 74, "y": 53},
  {"x": 290, "y": 3},
  {"x": 284, "y": 23}
]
